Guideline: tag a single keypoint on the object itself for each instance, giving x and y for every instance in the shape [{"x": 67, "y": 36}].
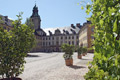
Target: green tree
[
  {"x": 14, "y": 46},
  {"x": 29, "y": 23},
  {"x": 106, "y": 19}
]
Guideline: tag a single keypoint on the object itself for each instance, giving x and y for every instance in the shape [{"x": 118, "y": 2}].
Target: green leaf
[
  {"x": 105, "y": 18},
  {"x": 82, "y": 7},
  {"x": 101, "y": 22},
  {"x": 115, "y": 29},
  {"x": 78, "y": 4}
]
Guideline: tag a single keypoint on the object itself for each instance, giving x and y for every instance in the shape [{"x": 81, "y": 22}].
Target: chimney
[
  {"x": 50, "y": 33},
  {"x": 72, "y": 25},
  {"x": 6, "y": 18},
  {"x": 78, "y": 24},
  {"x": 88, "y": 21}
]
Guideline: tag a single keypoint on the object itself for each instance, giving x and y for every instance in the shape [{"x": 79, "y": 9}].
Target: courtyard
[{"x": 51, "y": 66}]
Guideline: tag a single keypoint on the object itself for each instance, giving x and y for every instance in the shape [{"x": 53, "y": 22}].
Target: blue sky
[{"x": 53, "y": 13}]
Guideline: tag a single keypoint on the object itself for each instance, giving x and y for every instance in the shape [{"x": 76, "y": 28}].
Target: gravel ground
[{"x": 51, "y": 66}]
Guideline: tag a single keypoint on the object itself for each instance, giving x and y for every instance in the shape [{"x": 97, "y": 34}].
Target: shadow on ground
[
  {"x": 28, "y": 55},
  {"x": 77, "y": 67}
]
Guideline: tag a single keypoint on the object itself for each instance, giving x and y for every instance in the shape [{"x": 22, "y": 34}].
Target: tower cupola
[
  {"x": 35, "y": 12},
  {"x": 36, "y": 18}
]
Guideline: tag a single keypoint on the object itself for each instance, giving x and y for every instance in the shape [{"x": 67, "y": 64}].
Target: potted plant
[
  {"x": 80, "y": 51},
  {"x": 84, "y": 51},
  {"x": 68, "y": 49}
]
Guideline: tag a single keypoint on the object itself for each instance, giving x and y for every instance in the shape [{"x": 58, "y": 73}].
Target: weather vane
[{"x": 35, "y": 2}]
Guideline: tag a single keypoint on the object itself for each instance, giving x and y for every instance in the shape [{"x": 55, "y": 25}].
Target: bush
[
  {"x": 80, "y": 50},
  {"x": 14, "y": 46},
  {"x": 68, "y": 49},
  {"x": 84, "y": 49},
  {"x": 106, "y": 19}
]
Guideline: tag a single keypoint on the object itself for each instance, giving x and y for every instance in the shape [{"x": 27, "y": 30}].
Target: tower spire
[
  {"x": 35, "y": 3},
  {"x": 35, "y": 11},
  {"x": 35, "y": 17}
]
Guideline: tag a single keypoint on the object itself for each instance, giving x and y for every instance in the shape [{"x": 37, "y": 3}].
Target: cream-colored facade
[
  {"x": 83, "y": 39},
  {"x": 54, "y": 42},
  {"x": 86, "y": 35}
]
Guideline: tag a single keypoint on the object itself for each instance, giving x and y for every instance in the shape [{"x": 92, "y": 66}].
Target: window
[
  {"x": 57, "y": 38},
  {"x": 66, "y": 37},
  {"x": 49, "y": 43},
  {"x": 53, "y": 43},
  {"x": 6, "y": 18},
  {"x": 49, "y": 38},
  {"x": 72, "y": 37},
  {"x": 52, "y": 38},
  {"x": 69, "y": 37},
  {"x": 61, "y": 37},
  {"x": 69, "y": 42},
  {"x": 72, "y": 42},
  {"x": 77, "y": 37},
  {"x": 43, "y": 38},
  {"x": 77, "y": 43},
  {"x": 57, "y": 43},
  {"x": 43, "y": 43},
  {"x": 46, "y": 38}
]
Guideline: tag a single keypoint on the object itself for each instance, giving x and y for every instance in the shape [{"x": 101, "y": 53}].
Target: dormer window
[{"x": 57, "y": 32}]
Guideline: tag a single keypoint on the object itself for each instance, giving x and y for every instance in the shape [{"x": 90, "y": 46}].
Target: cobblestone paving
[{"x": 51, "y": 66}]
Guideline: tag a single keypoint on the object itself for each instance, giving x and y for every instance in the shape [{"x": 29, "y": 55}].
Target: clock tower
[{"x": 36, "y": 18}]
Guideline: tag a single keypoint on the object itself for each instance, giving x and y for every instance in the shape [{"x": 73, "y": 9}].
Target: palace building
[
  {"x": 6, "y": 22},
  {"x": 86, "y": 36},
  {"x": 50, "y": 40}
]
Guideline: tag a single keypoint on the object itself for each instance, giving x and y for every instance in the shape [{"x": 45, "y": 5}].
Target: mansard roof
[
  {"x": 38, "y": 31},
  {"x": 57, "y": 32},
  {"x": 7, "y": 21},
  {"x": 63, "y": 30}
]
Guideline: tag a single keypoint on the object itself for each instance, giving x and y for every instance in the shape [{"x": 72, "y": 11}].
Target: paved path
[{"x": 51, "y": 66}]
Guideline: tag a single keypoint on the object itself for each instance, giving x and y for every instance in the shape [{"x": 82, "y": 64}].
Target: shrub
[
  {"x": 68, "y": 49},
  {"x": 106, "y": 19},
  {"x": 80, "y": 50},
  {"x": 84, "y": 49},
  {"x": 14, "y": 46}
]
